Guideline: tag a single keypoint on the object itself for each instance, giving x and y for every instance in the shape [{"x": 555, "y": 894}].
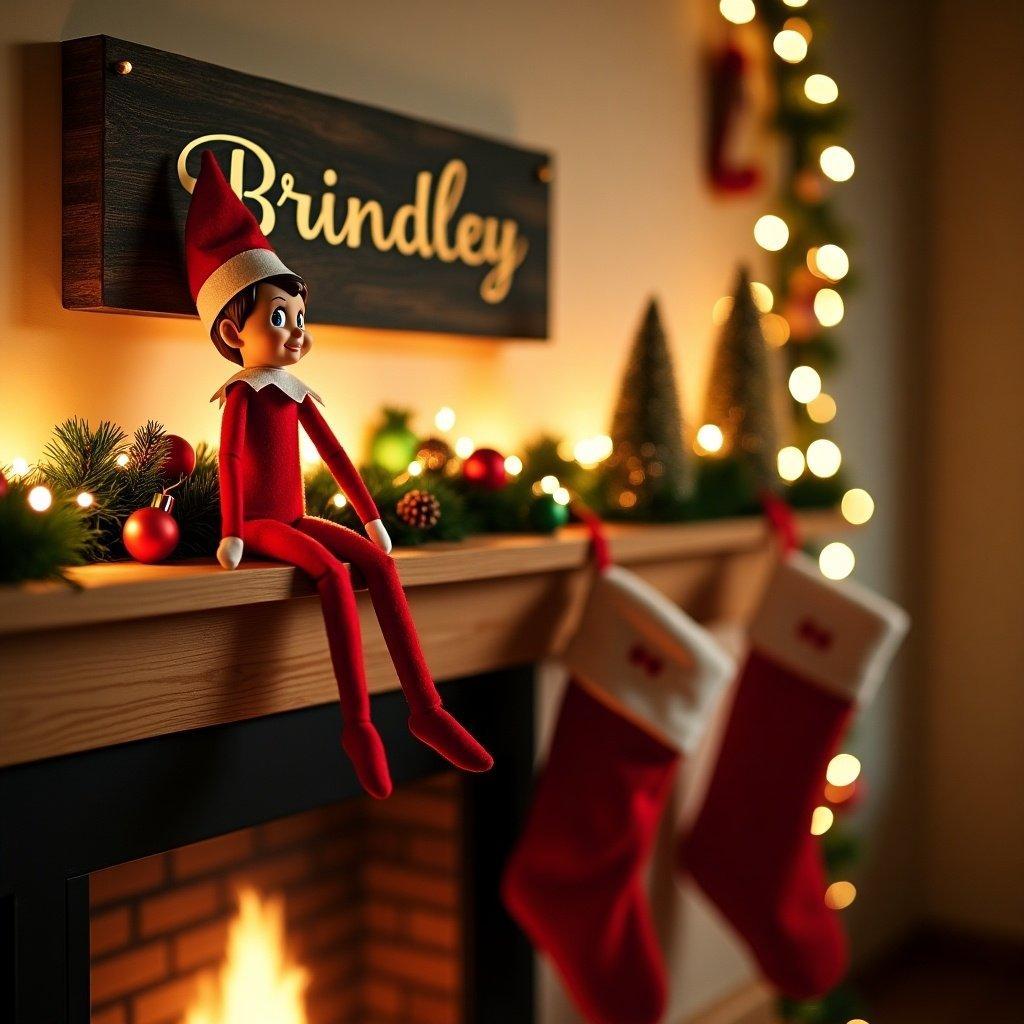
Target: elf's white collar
[{"x": 258, "y": 377}]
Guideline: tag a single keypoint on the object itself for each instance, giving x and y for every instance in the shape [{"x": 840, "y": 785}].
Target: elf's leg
[
  {"x": 359, "y": 738},
  {"x": 428, "y": 720},
  {"x": 817, "y": 651}
]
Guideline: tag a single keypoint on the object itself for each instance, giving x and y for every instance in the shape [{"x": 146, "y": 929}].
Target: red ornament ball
[
  {"x": 4, "y": 486},
  {"x": 150, "y": 534},
  {"x": 486, "y": 469},
  {"x": 180, "y": 459}
]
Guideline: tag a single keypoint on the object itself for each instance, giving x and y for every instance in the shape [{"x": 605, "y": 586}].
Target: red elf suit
[{"x": 263, "y": 504}]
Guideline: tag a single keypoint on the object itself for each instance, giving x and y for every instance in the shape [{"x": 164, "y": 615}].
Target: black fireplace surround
[{"x": 63, "y": 818}]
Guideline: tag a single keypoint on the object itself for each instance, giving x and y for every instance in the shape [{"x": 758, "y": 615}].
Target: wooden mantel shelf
[
  {"x": 139, "y": 651},
  {"x": 127, "y": 590}
]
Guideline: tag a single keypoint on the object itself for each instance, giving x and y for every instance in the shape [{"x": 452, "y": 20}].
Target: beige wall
[
  {"x": 614, "y": 89},
  {"x": 610, "y": 88},
  {"x": 975, "y": 549}
]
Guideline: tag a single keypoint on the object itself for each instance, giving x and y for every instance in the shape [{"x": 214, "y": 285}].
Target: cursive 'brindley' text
[{"x": 429, "y": 227}]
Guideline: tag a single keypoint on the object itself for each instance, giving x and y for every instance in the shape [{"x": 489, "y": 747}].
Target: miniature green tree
[
  {"x": 650, "y": 472},
  {"x": 739, "y": 397}
]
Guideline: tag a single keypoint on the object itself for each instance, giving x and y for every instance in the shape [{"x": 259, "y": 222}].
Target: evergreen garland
[
  {"x": 197, "y": 507},
  {"x": 808, "y": 199},
  {"x": 386, "y": 491},
  {"x": 80, "y": 459},
  {"x": 39, "y": 545}
]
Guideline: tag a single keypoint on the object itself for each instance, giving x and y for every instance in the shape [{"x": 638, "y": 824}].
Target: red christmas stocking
[
  {"x": 644, "y": 677},
  {"x": 818, "y": 650}
]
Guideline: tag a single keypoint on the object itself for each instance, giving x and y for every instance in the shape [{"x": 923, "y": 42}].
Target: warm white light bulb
[
  {"x": 464, "y": 447},
  {"x": 122, "y": 460},
  {"x": 828, "y": 307},
  {"x": 444, "y": 418},
  {"x": 795, "y": 3},
  {"x": 824, "y": 457},
  {"x": 19, "y": 466},
  {"x": 804, "y": 384},
  {"x": 415, "y": 468},
  {"x": 821, "y": 820},
  {"x": 762, "y": 296},
  {"x": 843, "y": 770},
  {"x": 710, "y": 438},
  {"x": 832, "y": 261},
  {"x": 790, "y": 45},
  {"x": 771, "y": 232},
  {"x": 513, "y": 465},
  {"x": 562, "y": 496},
  {"x": 839, "y": 895},
  {"x": 837, "y": 163},
  {"x": 821, "y": 89},
  {"x": 857, "y": 506},
  {"x": 791, "y": 463},
  {"x": 775, "y": 329},
  {"x": 739, "y": 12},
  {"x": 822, "y": 409},
  {"x": 836, "y": 561},
  {"x": 549, "y": 484},
  {"x": 721, "y": 310},
  {"x": 40, "y": 498},
  {"x": 308, "y": 454},
  {"x": 339, "y": 500},
  {"x": 85, "y": 500},
  {"x": 589, "y": 451}
]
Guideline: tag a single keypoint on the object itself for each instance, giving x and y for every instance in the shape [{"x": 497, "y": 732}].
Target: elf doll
[{"x": 255, "y": 310}]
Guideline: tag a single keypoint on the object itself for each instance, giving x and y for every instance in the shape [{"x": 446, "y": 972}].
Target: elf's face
[{"x": 275, "y": 333}]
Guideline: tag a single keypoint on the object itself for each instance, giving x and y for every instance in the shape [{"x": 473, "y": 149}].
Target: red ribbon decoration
[
  {"x": 782, "y": 521},
  {"x": 599, "y": 545}
]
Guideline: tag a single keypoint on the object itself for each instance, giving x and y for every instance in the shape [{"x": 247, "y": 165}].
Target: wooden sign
[{"x": 393, "y": 222}]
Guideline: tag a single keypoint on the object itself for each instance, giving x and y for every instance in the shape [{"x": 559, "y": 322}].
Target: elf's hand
[
  {"x": 376, "y": 532},
  {"x": 229, "y": 552}
]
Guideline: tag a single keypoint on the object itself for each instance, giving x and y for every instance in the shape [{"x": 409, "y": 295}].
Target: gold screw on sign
[
  {"x": 544, "y": 173},
  {"x": 123, "y": 67}
]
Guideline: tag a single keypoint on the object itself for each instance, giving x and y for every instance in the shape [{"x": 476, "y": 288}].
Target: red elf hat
[{"x": 225, "y": 250}]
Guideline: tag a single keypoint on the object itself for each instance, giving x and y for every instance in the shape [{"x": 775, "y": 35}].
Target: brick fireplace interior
[
  {"x": 371, "y": 902},
  {"x": 128, "y": 871}
]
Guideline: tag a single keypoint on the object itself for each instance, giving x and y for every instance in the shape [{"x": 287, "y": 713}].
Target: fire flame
[{"x": 257, "y": 981}]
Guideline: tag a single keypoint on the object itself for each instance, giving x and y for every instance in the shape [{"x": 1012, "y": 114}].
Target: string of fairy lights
[{"x": 825, "y": 259}]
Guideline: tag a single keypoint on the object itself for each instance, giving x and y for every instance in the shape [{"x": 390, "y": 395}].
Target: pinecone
[{"x": 419, "y": 509}]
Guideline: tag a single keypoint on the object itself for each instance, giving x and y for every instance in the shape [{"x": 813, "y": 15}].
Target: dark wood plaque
[{"x": 393, "y": 222}]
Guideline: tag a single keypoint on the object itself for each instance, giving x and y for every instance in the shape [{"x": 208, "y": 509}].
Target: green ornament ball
[
  {"x": 546, "y": 515},
  {"x": 394, "y": 443}
]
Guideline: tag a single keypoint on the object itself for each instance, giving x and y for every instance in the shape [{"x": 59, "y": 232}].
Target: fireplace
[
  {"x": 142, "y": 875},
  {"x": 339, "y": 914}
]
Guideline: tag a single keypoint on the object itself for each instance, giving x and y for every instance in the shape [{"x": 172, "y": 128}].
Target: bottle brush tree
[
  {"x": 740, "y": 395},
  {"x": 650, "y": 471}
]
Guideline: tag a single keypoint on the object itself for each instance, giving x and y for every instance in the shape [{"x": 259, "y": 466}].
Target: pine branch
[
  {"x": 39, "y": 545},
  {"x": 197, "y": 507},
  {"x": 79, "y": 459}
]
